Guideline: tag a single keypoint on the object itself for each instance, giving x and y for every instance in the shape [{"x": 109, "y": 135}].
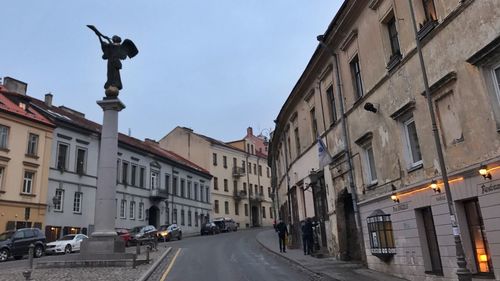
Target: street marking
[{"x": 164, "y": 276}]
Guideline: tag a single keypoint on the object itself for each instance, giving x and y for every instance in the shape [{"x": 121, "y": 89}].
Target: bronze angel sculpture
[{"x": 114, "y": 51}]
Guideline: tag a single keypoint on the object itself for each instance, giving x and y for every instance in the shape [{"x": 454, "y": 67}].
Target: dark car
[
  {"x": 16, "y": 243},
  {"x": 169, "y": 232},
  {"x": 139, "y": 234},
  {"x": 124, "y": 234},
  {"x": 209, "y": 228}
]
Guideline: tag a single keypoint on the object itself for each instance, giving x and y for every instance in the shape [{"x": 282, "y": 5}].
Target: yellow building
[{"x": 25, "y": 149}]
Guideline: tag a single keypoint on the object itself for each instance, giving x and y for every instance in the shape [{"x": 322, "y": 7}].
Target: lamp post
[{"x": 462, "y": 272}]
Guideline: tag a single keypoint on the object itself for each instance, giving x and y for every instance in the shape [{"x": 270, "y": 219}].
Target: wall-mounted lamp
[
  {"x": 435, "y": 186},
  {"x": 483, "y": 171},
  {"x": 370, "y": 107},
  {"x": 395, "y": 198}
]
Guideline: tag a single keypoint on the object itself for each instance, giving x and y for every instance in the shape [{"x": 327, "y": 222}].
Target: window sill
[
  {"x": 27, "y": 194},
  {"x": 58, "y": 211},
  {"x": 437, "y": 273},
  {"x": 371, "y": 185},
  {"x": 426, "y": 28},
  {"x": 2, "y": 191},
  {"x": 416, "y": 167},
  {"x": 4, "y": 149},
  {"x": 33, "y": 156},
  {"x": 393, "y": 61},
  {"x": 76, "y": 213}
]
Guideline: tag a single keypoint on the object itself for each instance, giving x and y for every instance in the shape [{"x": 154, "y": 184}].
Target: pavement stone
[
  {"x": 331, "y": 267},
  {"x": 89, "y": 273}
]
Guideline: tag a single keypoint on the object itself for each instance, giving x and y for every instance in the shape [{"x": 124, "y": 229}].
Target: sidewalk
[{"x": 338, "y": 270}]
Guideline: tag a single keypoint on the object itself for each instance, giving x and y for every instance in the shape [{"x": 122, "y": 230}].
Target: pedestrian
[
  {"x": 309, "y": 237},
  {"x": 282, "y": 233},
  {"x": 305, "y": 238}
]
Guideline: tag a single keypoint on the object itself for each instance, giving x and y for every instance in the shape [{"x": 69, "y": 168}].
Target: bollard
[
  {"x": 148, "y": 248},
  {"x": 27, "y": 274},
  {"x": 134, "y": 261},
  {"x": 31, "y": 255},
  {"x": 137, "y": 248}
]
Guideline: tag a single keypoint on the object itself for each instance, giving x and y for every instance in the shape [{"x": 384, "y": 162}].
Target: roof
[
  {"x": 62, "y": 114},
  {"x": 218, "y": 142},
  {"x": 10, "y": 103}
]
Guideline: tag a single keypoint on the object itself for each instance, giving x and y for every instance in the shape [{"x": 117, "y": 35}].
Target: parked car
[
  {"x": 209, "y": 228},
  {"x": 16, "y": 243},
  {"x": 226, "y": 224},
  {"x": 139, "y": 233},
  {"x": 169, "y": 232},
  {"x": 66, "y": 245},
  {"x": 124, "y": 234}
]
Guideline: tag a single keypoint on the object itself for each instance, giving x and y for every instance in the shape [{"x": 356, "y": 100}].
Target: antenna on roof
[{"x": 129, "y": 132}]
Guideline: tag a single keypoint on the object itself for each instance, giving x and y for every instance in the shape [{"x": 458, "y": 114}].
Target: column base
[{"x": 106, "y": 245}]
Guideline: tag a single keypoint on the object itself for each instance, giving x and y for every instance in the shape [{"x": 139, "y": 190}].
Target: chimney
[
  {"x": 150, "y": 141},
  {"x": 15, "y": 86},
  {"x": 48, "y": 99},
  {"x": 249, "y": 131}
]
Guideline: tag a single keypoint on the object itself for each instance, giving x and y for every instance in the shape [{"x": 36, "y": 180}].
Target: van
[{"x": 226, "y": 224}]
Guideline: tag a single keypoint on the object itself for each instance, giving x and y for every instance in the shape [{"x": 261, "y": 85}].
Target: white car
[{"x": 66, "y": 245}]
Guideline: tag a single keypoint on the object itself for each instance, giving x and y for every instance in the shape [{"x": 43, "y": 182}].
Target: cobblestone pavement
[{"x": 87, "y": 274}]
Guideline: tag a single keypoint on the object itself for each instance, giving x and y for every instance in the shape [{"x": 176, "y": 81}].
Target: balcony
[
  {"x": 257, "y": 197},
  {"x": 238, "y": 172},
  {"x": 158, "y": 194},
  {"x": 238, "y": 195}
]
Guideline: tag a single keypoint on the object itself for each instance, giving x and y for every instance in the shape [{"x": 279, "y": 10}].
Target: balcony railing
[
  {"x": 158, "y": 194},
  {"x": 258, "y": 197},
  {"x": 238, "y": 172},
  {"x": 240, "y": 194}
]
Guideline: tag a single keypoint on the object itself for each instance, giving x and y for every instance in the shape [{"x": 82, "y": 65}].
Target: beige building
[
  {"x": 367, "y": 77},
  {"x": 241, "y": 183},
  {"x": 25, "y": 151}
]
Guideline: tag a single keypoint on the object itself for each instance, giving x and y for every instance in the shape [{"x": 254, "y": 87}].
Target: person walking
[
  {"x": 282, "y": 233},
  {"x": 307, "y": 235},
  {"x": 305, "y": 239}
]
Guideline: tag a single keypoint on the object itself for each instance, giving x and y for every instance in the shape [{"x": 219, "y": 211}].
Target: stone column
[{"x": 104, "y": 238}]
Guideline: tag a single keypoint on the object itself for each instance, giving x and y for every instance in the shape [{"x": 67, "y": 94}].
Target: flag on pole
[{"x": 323, "y": 154}]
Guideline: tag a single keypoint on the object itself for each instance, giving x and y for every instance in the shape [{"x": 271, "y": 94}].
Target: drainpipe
[{"x": 248, "y": 192}]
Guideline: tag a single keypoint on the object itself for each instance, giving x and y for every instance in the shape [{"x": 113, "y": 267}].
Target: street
[{"x": 226, "y": 256}]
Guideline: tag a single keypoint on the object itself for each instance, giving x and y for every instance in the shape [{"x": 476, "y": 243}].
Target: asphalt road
[{"x": 227, "y": 257}]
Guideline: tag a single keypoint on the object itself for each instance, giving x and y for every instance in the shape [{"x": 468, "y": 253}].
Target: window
[
  {"x": 393, "y": 37},
  {"x": 189, "y": 189},
  {"x": 250, "y": 188},
  {"x": 226, "y": 207},
  {"x": 236, "y": 209},
  {"x": 183, "y": 222},
  {"x": 245, "y": 187},
  {"x": 260, "y": 170},
  {"x": 216, "y": 206},
  {"x": 132, "y": 210},
  {"x": 118, "y": 162},
  {"x": 167, "y": 184},
  {"x": 224, "y": 161},
  {"x": 429, "y": 10},
  {"x": 29, "y": 177},
  {"x": 380, "y": 235},
  {"x": 189, "y": 218},
  {"x": 371, "y": 172},
  {"x": 81, "y": 160},
  {"x": 62, "y": 156},
  {"x": 235, "y": 186},
  {"x": 412, "y": 142},
  {"x": 331, "y": 105},
  {"x": 482, "y": 254},
  {"x": 77, "y": 203},
  {"x": 124, "y": 173},
  {"x": 297, "y": 140},
  {"x": 269, "y": 192},
  {"x": 183, "y": 187},
  {"x": 140, "y": 214},
  {"x": 155, "y": 180},
  {"x": 174, "y": 186},
  {"x": 356, "y": 77},
  {"x": 123, "y": 208},
  {"x": 246, "y": 210},
  {"x": 174, "y": 216},
  {"x": 59, "y": 200},
  {"x": 243, "y": 165},
  {"x": 195, "y": 189},
  {"x": 142, "y": 174},
  {"x": 201, "y": 192},
  {"x": 254, "y": 169},
  {"x": 261, "y": 190},
  {"x": 314, "y": 123},
  {"x": 133, "y": 174},
  {"x": 195, "y": 218},
  {"x": 216, "y": 183},
  {"x": 496, "y": 78},
  {"x": 214, "y": 159},
  {"x": 428, "y": 240},
  {"x": 207, "y": 198},
  {"x": 264, "y": 212},
  {"x": 4, "y": 136},
  {"x": 2, "y": 173},
  {"x": 226, "y": 188},
  {"x": 267, "y": 172},
  {"x": 271, "y": 212},
  {"x": 249, "y": 167},
  {"x": 32, "y": 144}
]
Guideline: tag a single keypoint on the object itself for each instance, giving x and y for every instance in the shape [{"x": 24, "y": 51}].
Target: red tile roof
[{"x": 10, "y": 103}]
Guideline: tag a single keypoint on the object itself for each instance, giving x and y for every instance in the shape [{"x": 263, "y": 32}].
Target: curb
[
  {"x": 150, "y": 271},
  {"x": 293, "y": 261}
]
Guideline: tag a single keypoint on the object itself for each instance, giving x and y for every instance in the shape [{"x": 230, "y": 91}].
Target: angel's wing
[{"x": 129, "y": 47}]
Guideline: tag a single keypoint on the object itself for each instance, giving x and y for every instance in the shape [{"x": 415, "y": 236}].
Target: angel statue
[{"x": 114, "y": 51}]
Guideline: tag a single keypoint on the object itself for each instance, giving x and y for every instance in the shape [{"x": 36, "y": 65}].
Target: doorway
[
  {"x": 255, "y": 216},
  {"x": 154, "y": 216},
  {"x": 349, "y": 248}
]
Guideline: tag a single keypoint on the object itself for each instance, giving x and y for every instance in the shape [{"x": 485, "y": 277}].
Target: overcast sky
[{"x": 215, "y": 66}]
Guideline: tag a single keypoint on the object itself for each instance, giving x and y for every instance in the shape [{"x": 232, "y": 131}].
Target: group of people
[{"x": 307, "y": 235}]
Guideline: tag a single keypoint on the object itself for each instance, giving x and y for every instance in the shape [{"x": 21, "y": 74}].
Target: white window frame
[
  {"x": 409, "y": 154},
  {"x": 368, "y": 173},
  {"x": 32, "y": 148},
  {"x": 496, "y": 81},
  {"x": 155, "y": 180},
  {"x": 4, "y": 133},
  {"x": 78, "y": 195},
  {"x": 61, "y": 200},
  {"x": 132, "y": 210},
  {"x": 140, "y": 215},
  {"x": 28, "y": 183},
  {"x": 84, "y": 165},
  {"x": 66, "y": 159},
  {"x": 123, "y": 209}
]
